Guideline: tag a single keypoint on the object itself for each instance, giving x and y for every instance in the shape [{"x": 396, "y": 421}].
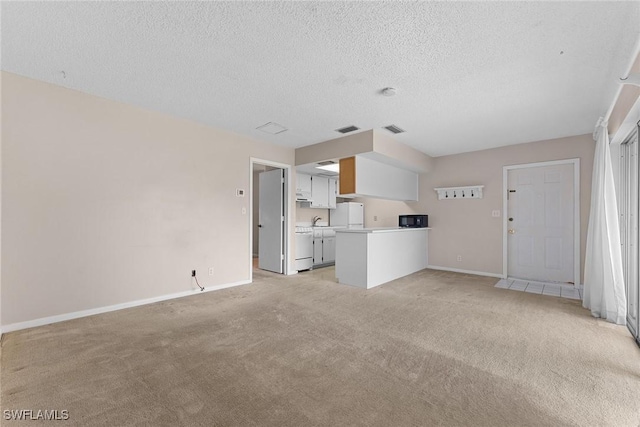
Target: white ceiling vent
[
  {"x": 272, "y": 128},
  {"x": 347, "y": 129},
  {"x": 326, "y": 162},
  {"x": 394, "y": 129}
]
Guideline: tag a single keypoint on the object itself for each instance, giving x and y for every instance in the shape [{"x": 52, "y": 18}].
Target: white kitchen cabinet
[
  {"x": 333, "y": 192},
  {"x": 365, "y": 177},
  {"x": 320, "y": 192},
  {"x": 317, "y": 246},
  {"x": 303, "y": 186},
  {"x": 329, "y": 249},
  {"x": 324, "y": 246}
]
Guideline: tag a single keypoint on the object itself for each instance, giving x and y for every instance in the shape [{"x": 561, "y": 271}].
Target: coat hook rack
[{"x": 468, "y": 192}]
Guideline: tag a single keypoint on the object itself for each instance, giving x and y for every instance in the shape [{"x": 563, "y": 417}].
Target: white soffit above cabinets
[{"x": 469, "y": 75}]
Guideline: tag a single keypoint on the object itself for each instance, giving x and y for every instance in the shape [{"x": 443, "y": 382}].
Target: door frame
[
  {"x": 577, "y": 253},
  {"x": 288, "y": 211}
]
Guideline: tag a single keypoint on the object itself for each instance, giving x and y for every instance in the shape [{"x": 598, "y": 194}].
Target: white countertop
[{"x": 379, "y": 230}]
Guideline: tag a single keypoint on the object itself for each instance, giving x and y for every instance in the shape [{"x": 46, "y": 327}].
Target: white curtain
[{"x": 604, "y": 292}]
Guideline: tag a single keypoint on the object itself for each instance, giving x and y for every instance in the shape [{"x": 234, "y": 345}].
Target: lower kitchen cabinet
[
  {"x": 317, "y": 251},
  {"x": 324, "y": 246},
  {"x": 329, "y": 249}
]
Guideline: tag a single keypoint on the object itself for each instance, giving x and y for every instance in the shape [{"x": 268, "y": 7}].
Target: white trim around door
[
  {"x": 288, "y": 212},
  {"x": 576, "y": 213}
]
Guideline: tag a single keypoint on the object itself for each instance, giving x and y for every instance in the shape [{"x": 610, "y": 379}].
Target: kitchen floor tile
[
  {"x": 518, "y": 285},
  {"x": 534, "y": 288},
  {"x": 553, "y": 290},
  {"x": 541, "y": 288},
  {"x": 570, "y": 293},
  {"x": 502, "y": 283}
]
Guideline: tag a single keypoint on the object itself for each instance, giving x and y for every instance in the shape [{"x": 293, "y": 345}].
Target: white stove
[{"x": 304, "y": 248}]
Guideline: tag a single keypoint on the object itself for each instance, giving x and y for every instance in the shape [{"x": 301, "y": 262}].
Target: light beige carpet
[{"x": 433, "y": 348}]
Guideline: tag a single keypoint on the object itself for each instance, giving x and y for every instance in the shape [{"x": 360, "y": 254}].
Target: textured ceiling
[{"x": 469, "y": 75}]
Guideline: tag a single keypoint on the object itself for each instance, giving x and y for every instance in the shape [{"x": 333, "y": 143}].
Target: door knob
[
  {"x": 512, "y": 231},
  {"x": 260, "y": 225}
]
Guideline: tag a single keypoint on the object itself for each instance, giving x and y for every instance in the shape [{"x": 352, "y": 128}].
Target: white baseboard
[
  {"x": 458, "y": 270},
  {"x": 84, "y": 313}
]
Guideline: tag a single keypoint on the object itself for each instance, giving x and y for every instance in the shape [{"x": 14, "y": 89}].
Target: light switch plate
[{"x": 495, "y": 214}]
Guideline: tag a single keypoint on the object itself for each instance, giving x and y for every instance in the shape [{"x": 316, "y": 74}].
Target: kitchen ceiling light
[{"x": 332, "y": 168}]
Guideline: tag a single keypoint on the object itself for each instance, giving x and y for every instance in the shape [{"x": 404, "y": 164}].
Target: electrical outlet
[
  {"x": 210, "y": 271},
  {"x": 495, "y": 214},
  {"x": 193, "y": 273},
  {"x": 244, "y": 211},
  {"x": 375, "y": 217},
  {"x": 459, "y": 259}
]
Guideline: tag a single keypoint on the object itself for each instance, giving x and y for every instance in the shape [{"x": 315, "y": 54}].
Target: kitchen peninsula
[{"x": 369, "y": 257}]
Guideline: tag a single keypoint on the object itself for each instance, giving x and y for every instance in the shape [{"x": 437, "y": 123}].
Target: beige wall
[
  {"x": 307, "y": 214},
  {"x": 466, "y": 227},
  {"x": 338, "y": 148},
  {"x": 105, "y": 203},
  {"x": 404, "y": 155}
]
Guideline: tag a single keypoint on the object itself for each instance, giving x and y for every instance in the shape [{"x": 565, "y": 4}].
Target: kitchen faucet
[{"x": 316, "y": 219}]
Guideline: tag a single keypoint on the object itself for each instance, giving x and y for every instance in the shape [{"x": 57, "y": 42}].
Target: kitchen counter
[
  {"x": 369, "y": 257},
  {"x": 379, "y": 229}
]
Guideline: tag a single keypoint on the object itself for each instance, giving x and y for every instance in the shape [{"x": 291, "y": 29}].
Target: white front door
[
  {"x": 271, "y": 221},
  {"x": 540, "y": 221}
]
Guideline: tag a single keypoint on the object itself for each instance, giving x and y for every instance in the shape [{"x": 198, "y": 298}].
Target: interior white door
[
  {"x": 271, "y": 221},
  {"x": 541, "y": 223}
]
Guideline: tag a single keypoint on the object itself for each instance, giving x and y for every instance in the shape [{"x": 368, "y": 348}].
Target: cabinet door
[
  {"x": 329, "y": 249},
  {"x": 317, "y": 251},
  {"x": 303, "y": 183},
  {"x": 332, "y": 193},
  {"x": 320, "y": 192}
]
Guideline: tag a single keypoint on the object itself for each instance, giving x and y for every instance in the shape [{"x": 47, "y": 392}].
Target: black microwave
[{"x": 413, "y": 221}]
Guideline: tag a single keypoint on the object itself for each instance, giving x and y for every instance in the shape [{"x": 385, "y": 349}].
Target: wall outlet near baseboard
[
  {"x": 459, "y": 258},
  {"x": 210, "y": 271}
]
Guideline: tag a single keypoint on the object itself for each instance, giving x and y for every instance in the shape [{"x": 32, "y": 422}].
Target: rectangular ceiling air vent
[
  {"x": 326, "y": 162},
  {"x": 272, "y": 128},
  {"x": 347, "y": 129},
  {"x": 394, "y": 129}
]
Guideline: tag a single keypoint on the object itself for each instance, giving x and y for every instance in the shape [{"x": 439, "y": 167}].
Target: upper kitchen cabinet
[
  {"x": 365, "y": 177},
  {"x": 320, "y": 192},
  {"x": 371, "y": 164},
  {"x": 303, "y": 187},
  {"x": 333, "y": 192}
]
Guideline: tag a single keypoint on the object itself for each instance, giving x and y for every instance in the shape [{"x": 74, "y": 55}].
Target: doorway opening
[
  {"x": 269, "y": 217},
  {"x": 541, "y": 225}
]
